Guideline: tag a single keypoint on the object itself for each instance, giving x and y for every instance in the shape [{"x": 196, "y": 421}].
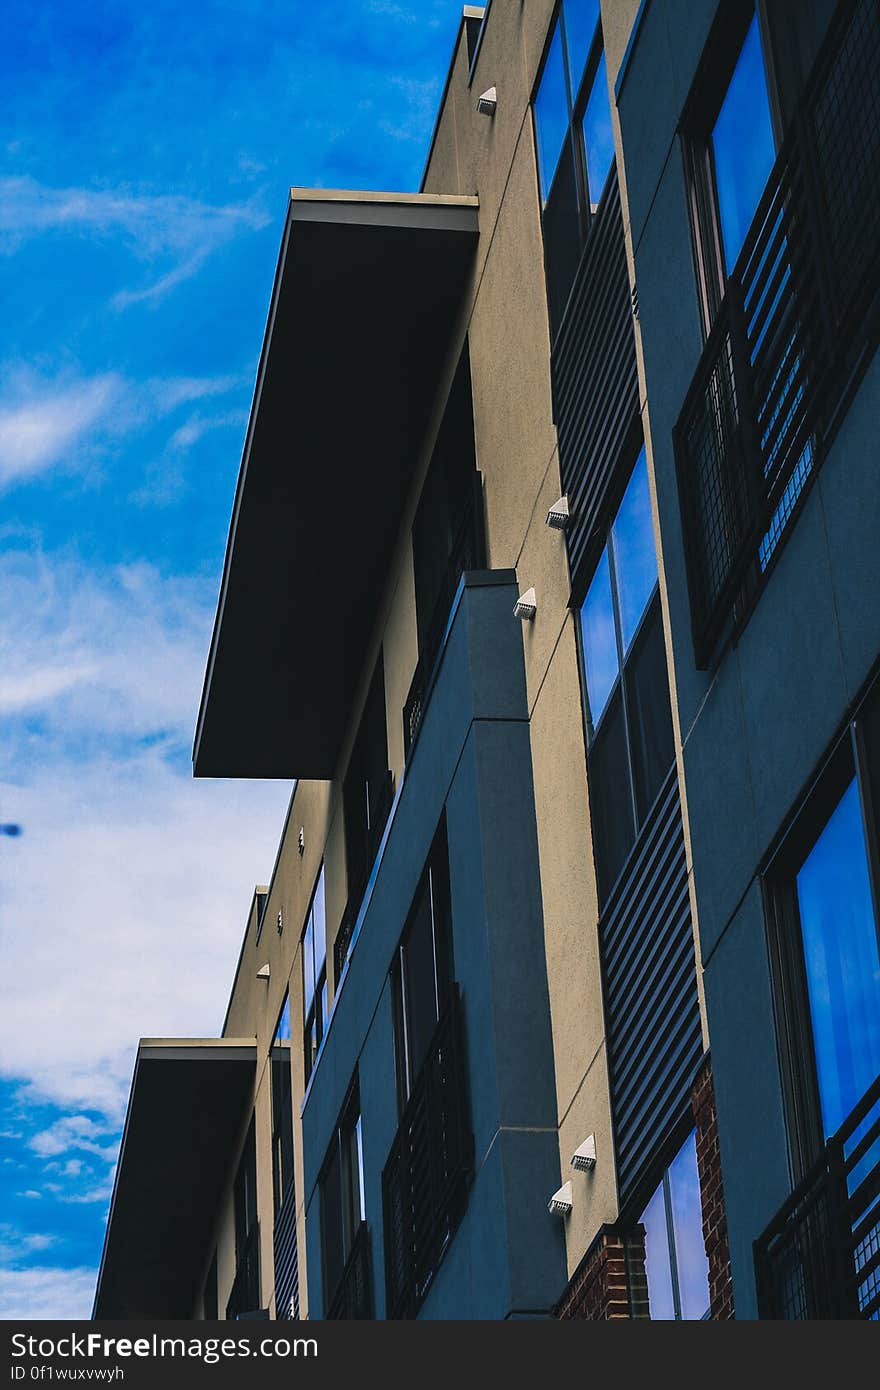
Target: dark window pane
[
  {"x": 331, "y": 1221},
  {"x": 742, "y": 144},
  {"x": 648, "y": 711},
  {"x": 551, "y": 112},
  {"x": 610, "y": 799},
  {"x": 320, "y": 927},
  {"x": 599, "y": 640},
  {"x": 420, "y": 981},
  {"x": 635, "y": 556},
  {"x": 598, "y": 135},
  {"x": 282, "y": 1109},
  {"x": 841, "y": 957},
  {"x": 581, "y": 18},
  {"x": 562, "y": 236},
  {"x": 687, "y": 1220},
  {"x": 309, "y": 963},
  {"x": 657, "y": 1263}
]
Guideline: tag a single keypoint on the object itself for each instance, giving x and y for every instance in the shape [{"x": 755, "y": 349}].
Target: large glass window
[
  {"x": 342, "y": 1194},
  {"x": 730, "y": 146},
  {"x": 422, "y": 973},
  {"x": 822, "y": 894},
  {"x": 282, "y": 1110},
  {"x": 742, "y": 145},
  {"x": 675, "y": 1254},
  {"x": 314, "y": 953},
  {"x": 575, "y": 142},
  {"x": 629, "y": 722},
  {"x": 841, "y": 959}
]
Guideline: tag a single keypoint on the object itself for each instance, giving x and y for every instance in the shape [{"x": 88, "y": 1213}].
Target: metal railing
[
  {"x": 468, "y": 551},
  {"x": 425, "y": 1180},
  {"x": 244, "y": 1296},
  {"x": 820, "y": 1256},
  {"x": 354, "y": 1295},
  {"x": 795, "y": 328}
]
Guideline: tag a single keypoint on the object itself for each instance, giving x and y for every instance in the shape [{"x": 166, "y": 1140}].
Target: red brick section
[
  {"x": 712, "y": 1194},
  {"x": 609, "y": 1283}
]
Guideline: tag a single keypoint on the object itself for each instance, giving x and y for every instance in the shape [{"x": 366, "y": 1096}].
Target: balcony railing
[
  {"x": 468, "y": 551},
  {"x": 794, "y": 331},
  {"x": 354, "y": 1296},
  {"x": 820, "y": 1256},
  {"x": 379, "y": 813},
  {"x": 425, "y": 1181},
  {"x": 244, "y": 1297}
]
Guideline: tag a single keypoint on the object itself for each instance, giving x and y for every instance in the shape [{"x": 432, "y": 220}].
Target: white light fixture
[
  {"x": 584, "y": 1157},
  {"x": 559, "y": 516},
  {"x": 561, "y": 1200},
  {"x": 526, "y": 606},
  {"x": 301, "y": 841},
  {"x": 487, "y": 101},
  {"x": 279, "y": 923},
  {"x": 263, "y": 972}
]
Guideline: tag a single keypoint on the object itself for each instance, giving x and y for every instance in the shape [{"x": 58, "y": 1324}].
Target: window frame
[
  {"x": 681, "y": 1136},
  {"x": 710, "y": 87},
  {"x": 283, "y": 1180},
  {"x": 317, "y": 1010},
  {"x": 436, "y": 869},
  {"x": 795, "y": 1042},
  {"x": 577, "y": 99},
  {"x": 348, "y": 1128},
  {"x": 652, "y": 612}
]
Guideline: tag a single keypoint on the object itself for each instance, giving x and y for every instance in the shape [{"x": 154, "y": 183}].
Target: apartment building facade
[{"x": 550, "y": 579}]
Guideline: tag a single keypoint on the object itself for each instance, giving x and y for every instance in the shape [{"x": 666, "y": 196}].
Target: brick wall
[
  {"x": 609, "y": 1283},
  {"x": 712, "y": 1194}
]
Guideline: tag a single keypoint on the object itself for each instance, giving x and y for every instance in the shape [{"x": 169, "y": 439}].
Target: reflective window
[
  {"x": 575, "y": 143},
  {"x": 675, "y": 1254},
  {"x": 742, "y": 146},
  {"x": 841, "y": 958},
  {"x": 635, "y": 553},
  {"x": 600, "y": 639},
  {"x": 631, "y": 741},
  {"x": 551, "y": 112},
  {"x": 282, "y": 1109},
  {"x": 314, "y": 952},
  {"x": 581, "y": 18},
  {"x": 598, "y": 137},
  {"x": 342, "y": 1194}
]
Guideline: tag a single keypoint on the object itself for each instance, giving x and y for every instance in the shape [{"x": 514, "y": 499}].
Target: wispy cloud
[
  {"x": 155, "y": 227},
  {"x": 45, "y": 425},
  {"x": 125, "y": 862},
  {"x": 45, "y": 1293}
]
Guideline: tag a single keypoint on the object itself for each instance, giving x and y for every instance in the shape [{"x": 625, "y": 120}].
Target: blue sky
[{"x": 145, "y": 154}]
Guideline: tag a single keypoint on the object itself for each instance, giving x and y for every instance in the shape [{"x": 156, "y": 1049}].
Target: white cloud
[
  {"x": 155, "y": 227},
  {"x": 67, "y": 422},
  {"x": 44, "y": 426},
  {"x": 15, "y": 1244},
  {"x": 130, "y": 883},
  {"x": 44, "y": 1293},
  {"x": 72, "y": 1132}
]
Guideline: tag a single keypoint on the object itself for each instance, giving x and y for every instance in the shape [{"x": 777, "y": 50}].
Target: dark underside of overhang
[
  {"x": 366, "y": 300},
  {"x": 186, "y": 1111}
]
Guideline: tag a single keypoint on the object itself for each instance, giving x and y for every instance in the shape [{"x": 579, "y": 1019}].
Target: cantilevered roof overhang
[
  {"x": 186, "y": 1112},
  {"x": 366, "y": 299}
]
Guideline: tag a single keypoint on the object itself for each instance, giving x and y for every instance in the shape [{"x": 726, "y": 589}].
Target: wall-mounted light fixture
[
  {"x": 584, "y": 1157},
  {"x": 279, "y": 923},
  {"x": 301, "y": 841},
  {"x": 559, "y": 516},
  {"x": 561, "y": 1200},
  {"x": 526, "y": 606},
  {"x": 487, "y": 101},
  {"x": 263, "y": 973}
]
